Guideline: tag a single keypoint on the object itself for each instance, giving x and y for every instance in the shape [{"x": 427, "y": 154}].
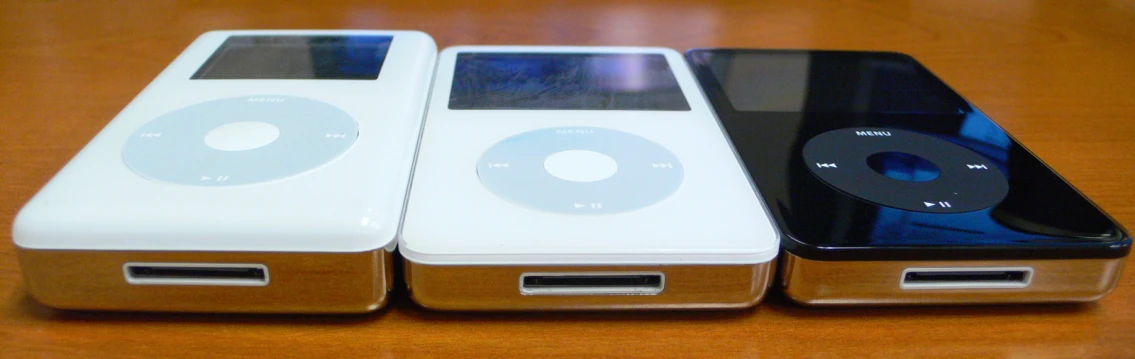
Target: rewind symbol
[
  {"x": 498, "y": 165},
  {"x": 826, "y": 165},
  {"x": 977, "y": 167},
  {"x": 661, "y": 165}
]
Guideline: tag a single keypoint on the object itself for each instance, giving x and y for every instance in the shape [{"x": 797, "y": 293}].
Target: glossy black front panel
[{"x": 772, "y": 103}]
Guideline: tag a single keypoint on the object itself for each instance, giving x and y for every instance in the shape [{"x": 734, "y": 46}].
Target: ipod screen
[
  {"x": 830, "y": 82},
  {"x": 296, "y": 58},
  {"x": 565, "y": 81}
]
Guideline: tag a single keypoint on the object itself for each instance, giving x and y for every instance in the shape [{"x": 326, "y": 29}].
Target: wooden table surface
[{"x": 1058, "y": 75}]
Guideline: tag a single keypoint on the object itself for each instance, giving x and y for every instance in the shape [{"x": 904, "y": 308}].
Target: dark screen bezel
[{"x": 939, "y": 87}]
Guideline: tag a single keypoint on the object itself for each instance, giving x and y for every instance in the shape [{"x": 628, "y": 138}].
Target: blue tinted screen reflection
[
  {"x": 297, "y": 58},
  {"x": 565, "y": 81}
]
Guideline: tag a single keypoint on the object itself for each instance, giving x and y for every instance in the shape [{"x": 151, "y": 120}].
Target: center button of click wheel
[
  {"x": 580, "y": 166},
  {"x": 241, "y": 136}
]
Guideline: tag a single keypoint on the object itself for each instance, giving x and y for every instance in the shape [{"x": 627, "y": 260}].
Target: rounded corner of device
[
  {"x": 419, "y": 252},
  {"x": 212, "y": 33},
  {"x": 46, "y": 300},
  {"x": 1095, "y": 297},
  {"x": 768, "y": 251},
  {"x": 415, "y": 35},
  {"x": 22, "y": 245},
  {"x": 694, "y": 50},
  {"x": 791, "y": 245},
  {"x": 794, "y": 294},
  {"x": 424, "y": 36},
  {"x": 455, "y": 49},
  {"x": 378, "y": 304},
  {"x": 764, "y": 280},
  {"x": 391, "y": 247},
  {"x": 751, "y": 303},
  {"x": 19, "y": 233},
  {"x": 379, "y": 242},
  {"x": 428, "y": 302},
  {"x": 410, "y": 257},
  {"x": 431, "y": 45},
  {"x": 420, "y": 295},
  {"x": 691, "y": 55},
  {"x": 765, "y": 256},
  {"x": 800, "y": 299},
  {"x": 895, "y": 53},
  {"x": 772, "y": 255},
  {"x": 775, "y": 237},
  {"x": 217, "y": 35},
  {"x": 36, "y": 288},
  {"x": 372, "y": 233},
  {"x": 24, "y": 230},
  {"x": 1123, "y": 244}
]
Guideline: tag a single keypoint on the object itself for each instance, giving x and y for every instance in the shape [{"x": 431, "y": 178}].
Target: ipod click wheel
[
  {"x": 890, "y": 188},
  {"x": 261, "y": 171},
  {"x": 240, "y": 140},
  {"x": 919, "y": 172},
  {"x": 580, "y": 170},
  {"x": 579, "y": 178}
]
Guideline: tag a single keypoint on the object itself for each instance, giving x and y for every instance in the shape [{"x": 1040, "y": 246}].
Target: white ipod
[
  {"x": 579, "y": 178},
  {"x": 261, "y": 171}
]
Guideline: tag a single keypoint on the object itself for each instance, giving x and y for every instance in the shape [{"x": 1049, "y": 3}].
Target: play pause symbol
[{"x": 592, "y": 205}]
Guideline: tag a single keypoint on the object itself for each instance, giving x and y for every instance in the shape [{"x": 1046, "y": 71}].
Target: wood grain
[{"x": 1057, "y": 74}]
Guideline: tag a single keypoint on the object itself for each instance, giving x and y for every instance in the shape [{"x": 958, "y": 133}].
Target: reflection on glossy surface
[
  {"x": 772, "y": 102},
  {"x": 297, "y": 58},
  {"x": 903, "y": 166},
  {"x": 811, "y": 83},
  {"x": 565, "y": 81}
]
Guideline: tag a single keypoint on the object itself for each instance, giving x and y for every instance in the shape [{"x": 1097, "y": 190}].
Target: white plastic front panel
[
  {"x": 352, "y": 203},
  {"x": 715, "y": 216}
]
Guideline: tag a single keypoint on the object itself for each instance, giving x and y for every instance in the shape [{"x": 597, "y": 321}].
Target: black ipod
[{"x": 890, "y": 188}]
